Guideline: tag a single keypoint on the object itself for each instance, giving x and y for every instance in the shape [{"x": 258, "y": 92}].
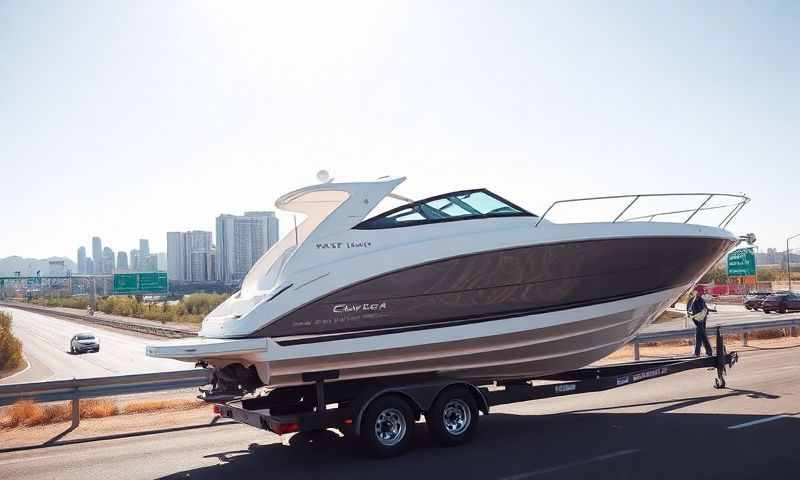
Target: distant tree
[
  {"x": 768, "y": 275},
  {"x": 715, "y": 275}
]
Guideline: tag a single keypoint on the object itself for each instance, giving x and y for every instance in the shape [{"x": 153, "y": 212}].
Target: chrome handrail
[{"x": 736, "y": 206}]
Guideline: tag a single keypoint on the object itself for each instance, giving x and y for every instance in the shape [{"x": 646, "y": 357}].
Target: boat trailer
[{"x": 382, "y": 412}]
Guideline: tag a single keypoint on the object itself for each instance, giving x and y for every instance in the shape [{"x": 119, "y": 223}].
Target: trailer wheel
[
  {"x": 453, "y": 418},
  {"x": 387, "y": 427}
]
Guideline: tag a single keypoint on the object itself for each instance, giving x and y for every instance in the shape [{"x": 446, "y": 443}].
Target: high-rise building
[
  {"x": 122, "y": 261},
  {"x": 134, "y": 260},
  {"x": 241, "y": 240},
  {"x": 108, "y": 260},
  {"x": 147, "y": 263},
  {"x": 161, "y": 261},
  {"x": 198, "y": 252},
  {"x": 212, "y": 263},
  {"x": 97, "y": 254},
  {"x": 190, "y": 256},
  {"x": 89, "y": 266},
  {"x": 82, "y": 260},
  {"x": 176, "y": 256}
]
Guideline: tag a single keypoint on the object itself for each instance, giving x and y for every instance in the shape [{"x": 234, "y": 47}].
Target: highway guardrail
[
  {"x": 157, "y": 330},
  {"x": 78, "y": 389},
  {"x": 734, "y": 328}
]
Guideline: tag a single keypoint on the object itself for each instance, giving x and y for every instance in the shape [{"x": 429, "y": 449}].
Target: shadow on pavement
[
  {"x": 514, "y": 447},
  {"x": 678, "y": 403},
  {"x": 56, "y": 440}
]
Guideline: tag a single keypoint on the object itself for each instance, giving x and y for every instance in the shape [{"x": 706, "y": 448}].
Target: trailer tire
[
  {"x": 453, "y": 418},
  {"x": 387, "y": 427}
]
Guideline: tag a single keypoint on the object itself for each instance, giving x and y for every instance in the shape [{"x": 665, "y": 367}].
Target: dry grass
[
  {"x": 158, "y": 405},
  {"x": 98, "y": 408},
  {"x": 26, "y": 413}
]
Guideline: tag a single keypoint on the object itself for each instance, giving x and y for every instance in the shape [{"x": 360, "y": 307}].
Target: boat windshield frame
[{"x": 423, "y": 208}]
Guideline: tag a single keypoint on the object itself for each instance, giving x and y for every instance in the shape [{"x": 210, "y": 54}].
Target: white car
[{"x": 84, "y": 342}]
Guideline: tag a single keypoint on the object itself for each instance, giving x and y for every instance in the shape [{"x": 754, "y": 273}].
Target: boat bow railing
[{"x": 735, "y": 203}]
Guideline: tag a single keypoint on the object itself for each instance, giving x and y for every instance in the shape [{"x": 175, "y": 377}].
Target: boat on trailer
[{"x": 465, "y": 284}]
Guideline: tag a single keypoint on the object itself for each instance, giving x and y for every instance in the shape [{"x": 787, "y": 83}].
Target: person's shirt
[{"x": 698, "y": 305}]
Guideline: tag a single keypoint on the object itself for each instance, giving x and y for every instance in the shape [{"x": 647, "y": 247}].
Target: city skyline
[
  {"x": 192, "y": 256},
  {"x": 115, "y": 260}
]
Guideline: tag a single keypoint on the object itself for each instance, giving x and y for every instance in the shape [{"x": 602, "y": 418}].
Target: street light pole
[{"x": 789, "y": 260}]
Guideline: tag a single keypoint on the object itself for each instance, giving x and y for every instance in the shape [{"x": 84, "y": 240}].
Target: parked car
[
  {"x": 84, "y": 342},
  {"x": 753, "y": 300},
  {"x": 781, "y": 302}
]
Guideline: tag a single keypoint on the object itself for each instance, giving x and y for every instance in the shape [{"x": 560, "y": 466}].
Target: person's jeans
[{"x": 701, "y": 337}]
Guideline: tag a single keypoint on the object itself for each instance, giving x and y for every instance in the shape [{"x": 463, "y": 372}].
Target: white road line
[
  {"x": 600, "y": 458},
  {"x": 5, "y": 379},
  {"x": 758, "y": 422},
  {"x": 27, "y": 459}
]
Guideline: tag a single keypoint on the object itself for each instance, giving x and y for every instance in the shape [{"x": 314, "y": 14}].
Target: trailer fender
[{"x": 480, "y": 398}]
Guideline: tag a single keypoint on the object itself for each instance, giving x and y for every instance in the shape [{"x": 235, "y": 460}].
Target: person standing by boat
[{"x": 697, "y": 310}]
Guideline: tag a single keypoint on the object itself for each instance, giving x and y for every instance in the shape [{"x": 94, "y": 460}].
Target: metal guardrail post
[
  {"x": 76, "y": 407},
  {"x": 744, "y": 339},
  {"x": 636, "y": 351}
]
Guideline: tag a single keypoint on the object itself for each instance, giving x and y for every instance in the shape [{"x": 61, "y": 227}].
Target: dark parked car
[
  {"x": 781, "y": 302},
  {"x": 753, "y": 300}
]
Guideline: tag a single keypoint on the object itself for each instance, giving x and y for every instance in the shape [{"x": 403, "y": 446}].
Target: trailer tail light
[
  {"x": 281, "y": 428},
  {"x": 216, "y": 410}
]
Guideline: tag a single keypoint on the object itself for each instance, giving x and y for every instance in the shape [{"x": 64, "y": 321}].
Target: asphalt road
[
  {"x": 672, "y": 427},
  {"x": 45, "y": 343}
]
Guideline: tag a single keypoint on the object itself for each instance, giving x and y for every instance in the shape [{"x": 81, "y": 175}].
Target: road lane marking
[
  {"x": 758, "y": 422},
  {"x": 600, "y": 458},
  {"x": 5, "y": 380},
  {"x": 28, "y": 459}
]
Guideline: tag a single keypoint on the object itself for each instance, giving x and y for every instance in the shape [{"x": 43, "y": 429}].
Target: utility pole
[
  {"x": 789, "y": 260},
  {"x": 93, "y": 293}
]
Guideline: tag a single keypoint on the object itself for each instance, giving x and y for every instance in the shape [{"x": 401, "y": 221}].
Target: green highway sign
[
  {"x": 742, "y": 263},
  {"x": 126, "y": 282},
  {"x": 153, "y": 282},
  {"x": 140, "y": 283}
]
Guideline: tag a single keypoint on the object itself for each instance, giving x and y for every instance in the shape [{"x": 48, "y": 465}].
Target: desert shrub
[
  {"x": 202, "y": 303},
  {"x": 10, "y": 346},
  {"x": 191, "y": 308}
]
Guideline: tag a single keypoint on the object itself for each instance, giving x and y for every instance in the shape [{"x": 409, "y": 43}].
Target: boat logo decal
[
  {"x": 338, "y": 245},
  {"x": 565, "y": 387},
  {"x": 359, "y": 307},
  {"x": 623, "y": 380}
]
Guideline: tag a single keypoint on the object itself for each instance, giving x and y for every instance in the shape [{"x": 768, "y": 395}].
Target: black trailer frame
[{"x": 342, "y": 404}]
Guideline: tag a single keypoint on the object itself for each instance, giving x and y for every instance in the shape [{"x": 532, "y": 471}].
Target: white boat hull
[{"x": 525, "y": 346}]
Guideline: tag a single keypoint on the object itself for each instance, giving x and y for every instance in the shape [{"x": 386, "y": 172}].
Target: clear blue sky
[{"x": 131, "y": 119}]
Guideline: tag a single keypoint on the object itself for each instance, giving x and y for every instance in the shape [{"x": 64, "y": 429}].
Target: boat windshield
[{"x": 462, "y": 205}]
